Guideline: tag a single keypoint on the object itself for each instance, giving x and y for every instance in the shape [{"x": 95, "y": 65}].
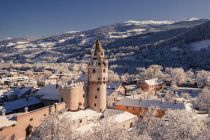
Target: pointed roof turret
[{"x": 98, "y": 47}]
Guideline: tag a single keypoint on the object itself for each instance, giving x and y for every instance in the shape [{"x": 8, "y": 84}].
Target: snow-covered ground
[{"x": 149, "y": 22}]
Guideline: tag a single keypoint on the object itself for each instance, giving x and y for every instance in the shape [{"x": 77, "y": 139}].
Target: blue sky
[{"x": 34, "y": 18}]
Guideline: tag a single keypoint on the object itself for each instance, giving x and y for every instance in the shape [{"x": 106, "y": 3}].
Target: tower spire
[
  {"x": 98, "y": 47},
  {"x": 97, "y": 50}
]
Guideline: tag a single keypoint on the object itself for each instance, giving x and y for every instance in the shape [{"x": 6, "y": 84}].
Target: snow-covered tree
[
  {"x": 203, "y": 100},
  {"x": 177, "y": 75},
  {"x": 154, "y": 71},
  {"x": 202, "y": 78},
  {"x": 175, "y": 125},
  {"x": 54, "y": 127}
]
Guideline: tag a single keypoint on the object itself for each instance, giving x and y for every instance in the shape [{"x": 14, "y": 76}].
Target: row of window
[
  {"x": 94, "y": 71},
  {"x": 96, "y": 53}
]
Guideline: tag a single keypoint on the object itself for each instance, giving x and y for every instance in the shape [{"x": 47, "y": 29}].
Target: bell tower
[{"x": 97, "y": 78}]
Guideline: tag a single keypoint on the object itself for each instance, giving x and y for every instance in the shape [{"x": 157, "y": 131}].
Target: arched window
[
  {"x": 29, "y": 130},
  {"x": 99, "y": 63}
]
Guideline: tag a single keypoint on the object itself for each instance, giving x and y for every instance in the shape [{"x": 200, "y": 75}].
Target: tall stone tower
[{"x": 97, "y": 78}]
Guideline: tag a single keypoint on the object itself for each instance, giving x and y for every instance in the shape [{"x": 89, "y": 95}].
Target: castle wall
[
  {"x": 74, "y": 96},
  {"x": 32, "y": 118}
]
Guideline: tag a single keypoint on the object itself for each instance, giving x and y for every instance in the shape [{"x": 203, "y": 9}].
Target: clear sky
[{"x": 33, "y": 18}]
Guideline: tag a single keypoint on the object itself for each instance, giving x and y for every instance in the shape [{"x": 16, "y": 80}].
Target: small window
[
  {"x": 83, "y": 95},
  {"x": 102, "y": 53},
  {"x": 89, "y": 63},
  {"x": 31, "y": 119},
  {"x": 94, "y": 104},
  {"x": 96, "y": 97},
  {"x": 80, "y": 121},
  {"x": 104, "y": 78},
  {"x": 104, "y": 82},
  {"x": 61, "y": 99},
  {"x": 126, "y": 107},
  {"x": 94, "y": 71},
  {"x": 99, "y": 78},
  {"x": 100, "y": 110},
  {"x": 95, "y": 53},
  {"x": 99, "y": 63},
  {"x": 123, "y": 125},
  {"x": 45, "y": 114},
  {"x": 104, "y": 70},
  {"x": 98, "y": 88},
  {"x": 13, "y": 125}
]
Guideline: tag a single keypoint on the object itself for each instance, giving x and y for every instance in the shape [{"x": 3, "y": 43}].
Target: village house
[
  {"x": 53, "y": 79},
  {"x": 115, "y": 91},
  {"x": 151, "y": 85},
  {"x": 140, "y": 107}
]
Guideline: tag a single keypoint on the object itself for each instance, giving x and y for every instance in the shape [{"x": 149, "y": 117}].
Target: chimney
[{"x": 26, "y": 109}]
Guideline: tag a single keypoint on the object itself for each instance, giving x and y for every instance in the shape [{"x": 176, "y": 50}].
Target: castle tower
[{"x": 97, "y": 78}]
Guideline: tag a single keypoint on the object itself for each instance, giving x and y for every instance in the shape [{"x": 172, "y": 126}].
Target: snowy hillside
[{"x": 124, "y": 42}]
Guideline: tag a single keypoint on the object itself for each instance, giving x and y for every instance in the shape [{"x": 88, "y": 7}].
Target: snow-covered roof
[
  {"x": 111, "y": 87},
  {"x": 150, "y": 103},
  {"x": 154, "y": 81},
  {"x": 49, "y": 92},
  {"x": 82, "y": 114},
  {"x": 83, "y": 78},
  {"x": 5, "y": 122},
  {"x": 20, "y": 91},
  {"x": 20, "y": 103},
  {"x": 124, "y": 116}
]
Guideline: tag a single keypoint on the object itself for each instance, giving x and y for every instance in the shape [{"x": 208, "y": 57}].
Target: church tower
[{"x": 97, "y": 78}]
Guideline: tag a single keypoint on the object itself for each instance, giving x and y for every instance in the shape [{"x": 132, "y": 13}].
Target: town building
[
  {"x": 115, "y": 91},
  {"x": 140, "y": 107},
  {"x": 151, "y": 85}
]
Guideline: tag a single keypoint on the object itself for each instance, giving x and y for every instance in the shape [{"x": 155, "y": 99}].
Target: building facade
[
  {"x": 97, "y": 78},
  {"x": 93, "y": 94}
]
